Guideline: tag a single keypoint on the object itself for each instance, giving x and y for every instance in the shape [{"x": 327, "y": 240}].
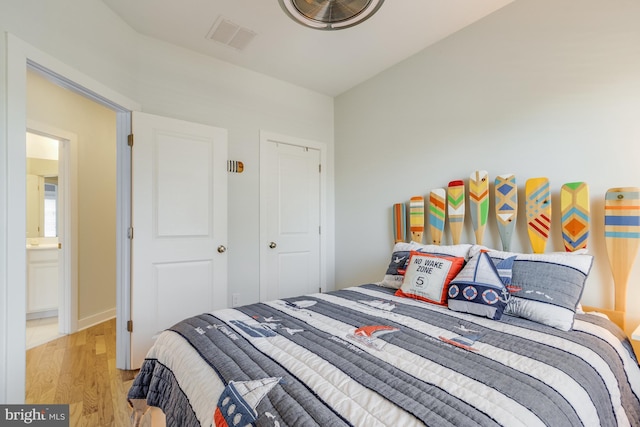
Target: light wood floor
[{"x": 80, "y": 370}]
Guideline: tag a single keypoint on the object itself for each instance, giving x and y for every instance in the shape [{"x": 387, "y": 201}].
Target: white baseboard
[
  {"x": 42, "y": 314},
  {"x": 93, "y": 320}
]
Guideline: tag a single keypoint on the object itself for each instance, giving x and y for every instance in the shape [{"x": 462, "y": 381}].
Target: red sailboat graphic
[
  {"x": 369, "y": 335},
  {"x": 239, "y": 400}
]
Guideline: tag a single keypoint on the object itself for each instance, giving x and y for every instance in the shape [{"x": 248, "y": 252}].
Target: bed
[{"x": 458, "y": 335}]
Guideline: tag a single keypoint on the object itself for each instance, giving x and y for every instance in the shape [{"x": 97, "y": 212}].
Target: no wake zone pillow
[
  {"x": 427, "y": 277},
  {"x": 400, "y": 258},
  {"x": 545, "y": 288}
]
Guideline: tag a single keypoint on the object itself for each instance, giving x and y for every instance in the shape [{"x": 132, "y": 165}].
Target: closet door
[
  {"x": 291, "y": 206},
  {"x": 179, "y": 203}
]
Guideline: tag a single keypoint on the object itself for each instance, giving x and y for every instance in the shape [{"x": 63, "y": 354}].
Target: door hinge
[
  {"x": 130, "y": 233},
  {"x": 129, "y": 325},
  {"x": 319, "y": 168},
  {"x": 130, "y": 140},
  {"x": 320, "y": 289},
  {"x": 319, "y": 229}
]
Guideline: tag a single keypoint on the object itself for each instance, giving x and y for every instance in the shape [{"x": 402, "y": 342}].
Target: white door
[
  {"x": 179, "y": 217},
  {"x": 290, "y": 203}
]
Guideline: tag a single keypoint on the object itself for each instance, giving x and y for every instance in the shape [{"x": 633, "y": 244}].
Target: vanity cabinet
[{"x": 42, "y": 281}]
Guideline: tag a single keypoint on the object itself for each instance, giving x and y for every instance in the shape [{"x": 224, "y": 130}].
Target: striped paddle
[
  {"x": 622, "y": 236},
  {"x": 479, "y": 202},
  {"x": 574, "y": 206},
  {"x": 399, "y": 222},
  {"x": 455, "y": 209},
  {"x": 416, "y": 218},
  {"x": 538, "y": 209},
  {"x": 436, "y": 214},
  {"x": 506, "y": 207}
]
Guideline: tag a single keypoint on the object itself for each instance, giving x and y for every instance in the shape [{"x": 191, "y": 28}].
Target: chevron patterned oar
[
  {"x": 416, "y": 218},
  {"x": 455, "y": 209},
  {"x": 479, "y": 202},
  {"x": 506, "y": 191},
  {"x": 538, "y": 210},
  {"x": 622, "y": 236},
  {"x": 399, "y": 222},
  {"x": 574, "y": 206},
  {"x": 436, "y": 214}
]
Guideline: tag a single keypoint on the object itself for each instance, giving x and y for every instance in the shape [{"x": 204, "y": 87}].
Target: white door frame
[
  {"x": 267, "y": 137},
  {"x": 13, "y": 283}
]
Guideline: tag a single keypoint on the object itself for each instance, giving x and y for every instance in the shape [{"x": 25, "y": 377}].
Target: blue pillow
[
  {"x": 478, "y": 289},
  {"x": 545, "y": 288}
]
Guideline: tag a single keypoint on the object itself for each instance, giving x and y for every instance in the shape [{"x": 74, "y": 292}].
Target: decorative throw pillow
[
  {"x": 427, "y": 277},
  {"x": 545, "y": 288},
  {"x": 478, "y": 289},
  {"x": 400, "y": 258}
]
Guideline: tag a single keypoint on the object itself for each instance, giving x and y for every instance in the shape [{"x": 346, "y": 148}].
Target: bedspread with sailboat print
[{"x": 364, "y": 357}]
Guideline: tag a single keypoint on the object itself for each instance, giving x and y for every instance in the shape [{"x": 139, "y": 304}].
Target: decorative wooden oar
[
  {"x": 622, "y": 236},
  {"x": 455, "y": 209},
  {"x": 479, "y": 202},
  {"x": 416, "y": 218},
  {"x": 574, "y": 206},
  {"x": 538, "y": 209},
  {"x": 399, "y": 222},
  {"x": 436, "y": 214},
  {"x": 506, "y": 191}
]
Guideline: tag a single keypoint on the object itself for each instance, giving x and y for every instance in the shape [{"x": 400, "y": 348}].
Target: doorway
[
  {"x": 46, "y": 194},
  {"x": 20, "y": 57},
  {"x": 91, "y": 228}
]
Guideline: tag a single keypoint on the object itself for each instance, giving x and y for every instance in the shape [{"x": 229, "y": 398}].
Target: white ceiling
[{"x": 329, "y": 62}]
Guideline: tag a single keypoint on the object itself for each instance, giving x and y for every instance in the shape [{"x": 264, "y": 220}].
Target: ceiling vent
[{"x": 231, "y": 34}]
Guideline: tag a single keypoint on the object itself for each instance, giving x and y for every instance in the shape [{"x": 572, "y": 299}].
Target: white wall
[
  {"x": 197, "y": 88},
  {"x": 539, "y": 88},
  {"x": 86, "y": 36}
]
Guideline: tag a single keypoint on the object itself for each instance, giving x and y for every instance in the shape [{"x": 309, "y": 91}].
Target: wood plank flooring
[{"x": 80, "y": 370}]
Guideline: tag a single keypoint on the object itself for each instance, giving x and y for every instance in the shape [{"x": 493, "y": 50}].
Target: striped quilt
[{"x": 364, "y": 357}]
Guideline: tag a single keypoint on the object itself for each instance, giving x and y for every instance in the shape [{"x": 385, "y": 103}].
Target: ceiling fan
[{"x": 330, "y": 14}]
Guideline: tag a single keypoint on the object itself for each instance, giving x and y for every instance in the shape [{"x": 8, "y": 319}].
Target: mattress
[{"x": 362, "y": 356}]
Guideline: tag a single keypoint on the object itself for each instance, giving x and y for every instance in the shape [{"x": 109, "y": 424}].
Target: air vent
[{"x": 231, "y": 34}]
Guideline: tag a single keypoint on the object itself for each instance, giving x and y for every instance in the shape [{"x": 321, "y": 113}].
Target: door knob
[
  {"x": 222, "y": 249},
  {"x": 272, "y": 245}
]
